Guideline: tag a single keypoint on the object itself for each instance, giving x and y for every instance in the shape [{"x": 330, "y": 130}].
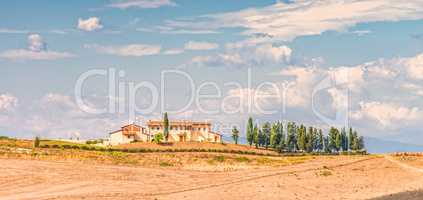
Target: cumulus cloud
[
  {"x": 124, "y": 4},
  {"x": 36, "y": 43},
  {"x": 287, "y": 21},
  {"x": 388, "y": 115},
  {"x": 37, "y": 50},
  {"x": 195, "y": 45},
  {"x": 8, "y": 102},
  {"x": 90, "y": 24},
  {"x": 414, "y": 67},
  {"x": 248, "y": 56},
  {"x": 135, "y": 50}
]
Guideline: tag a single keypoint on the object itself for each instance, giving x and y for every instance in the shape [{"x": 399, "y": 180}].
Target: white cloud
[
  {"x": 90, "y": 24},
  {"x": 350, "y": 77},
  {"x": 414, "y": 67},
  {"x": 136, "y": 50},
  {"x": 124, "y": 4},
  {"x": 416, "y": 89},
  {"x": 194, "y": 45},
  {"x": 248, "y": 56},
  {"x": 173, "y": 51},
  {"x": 275, "y": 54},
  {"x": 36, "y": 43},
  {"x": 37, "y": 50},
  {"x": 388, "y": 115},
  {"x": 287, "y": 21},
  {"x": 8, "y": 102},
  {"x": 13, "y": 31}
]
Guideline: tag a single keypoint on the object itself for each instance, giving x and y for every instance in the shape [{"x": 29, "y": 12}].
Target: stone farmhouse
[{"x": 179, "y": 131}]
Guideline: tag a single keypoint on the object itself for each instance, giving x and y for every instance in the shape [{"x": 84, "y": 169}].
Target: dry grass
[{"x": 196, "y": 145}]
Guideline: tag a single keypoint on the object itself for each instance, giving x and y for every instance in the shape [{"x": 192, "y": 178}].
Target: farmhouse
[
  {"x": 129, "y": 133},
  {"x": 179, "y": 131},
  {"x": 182, "y": 131}
]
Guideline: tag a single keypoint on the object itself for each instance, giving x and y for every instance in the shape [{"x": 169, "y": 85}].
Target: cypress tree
[
  {"x": 235, "y": 134},
  {"x": 256, "y": 136},
  {"x": 350, "y": 139},
  {"x": 266, "y": 134},
  {"x": 166, "y": 126},
  {"x": 321, "y": 141},
  {"x": 250, "y": 131}
]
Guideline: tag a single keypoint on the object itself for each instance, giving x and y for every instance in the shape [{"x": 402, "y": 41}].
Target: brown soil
[{"x": 323, "y": 177}]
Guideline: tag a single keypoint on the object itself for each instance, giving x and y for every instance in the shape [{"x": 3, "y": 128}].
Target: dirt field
[{"x": 324, "y": 177}]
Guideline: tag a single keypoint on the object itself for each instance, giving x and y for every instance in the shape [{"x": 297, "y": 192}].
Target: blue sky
[{"x": 371, "y": 51}]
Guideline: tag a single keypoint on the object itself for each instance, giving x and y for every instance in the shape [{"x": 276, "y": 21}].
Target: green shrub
[
  {"x": 37, "y": 142},
  {"x": 165, "y": 164},
  {"x": 219, "y": 158}
]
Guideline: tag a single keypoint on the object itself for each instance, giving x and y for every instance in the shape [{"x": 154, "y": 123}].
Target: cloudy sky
[{"x": 319, "y": 62}]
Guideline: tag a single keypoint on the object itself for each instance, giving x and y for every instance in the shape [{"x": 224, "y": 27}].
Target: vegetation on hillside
[{"x": 299, "y": 138}]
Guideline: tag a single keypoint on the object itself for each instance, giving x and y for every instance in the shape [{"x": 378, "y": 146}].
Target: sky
[{"x": 85, "y": 68}]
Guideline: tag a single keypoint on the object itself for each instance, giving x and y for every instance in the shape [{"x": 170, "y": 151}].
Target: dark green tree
[
  {"x": 235, "y": 134},
  {"x": 37, "y": 142},
  {"x": 266, "y": 129},
  {"x": 350, "y": 138},
  {"x": 301, "y": 138},
  {"x": 291, "y": 140},
  {"x": 344, "y": 140},
  {"x": 320, "y": 144},
  {"x": 334, "y": 139},
  {"x": 250, "y": 131},
  {"x": 165, "y": 126},
  {"x": 256, "y": 136}
]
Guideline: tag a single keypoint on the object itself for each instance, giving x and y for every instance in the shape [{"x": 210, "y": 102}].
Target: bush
[
  {"x": 158, "y": 138},
  {"x": 55, "y": 146},
  {"x": 85, "y": 148},
  {"x": 37, "y": 142}
]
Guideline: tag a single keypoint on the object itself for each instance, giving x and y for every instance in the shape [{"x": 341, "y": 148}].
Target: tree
[
  {"x": 334, "y": 139},
  {"x": 320, "y": 143},
  {"x": 250, "y": 131},
  {"x": 158, "y": 138},
  {"x": 276, "y": 134},
  {"x": 282, "y": 142},
  {"x": 355, "y": 145},
  {"x": 235, "y": 134},
  {"x": 350, "y": 138},
  {"x": 327, "y": 147},
  {"x": 344, "y": 140},
  {"x": 338, "y": 142},
  {"x": 310, "y": 139},
  {"x": 37, "y": 142},
  {"x": 256, "y": 136},
  {"x": 266, "y": 129},
  {"x": 301, "y": 138},
  {"x": 165, "y": 127},
  {"x": 291, "y": 140}
]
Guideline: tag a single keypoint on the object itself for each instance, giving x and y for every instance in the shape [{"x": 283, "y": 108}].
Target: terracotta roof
[
  {"x": 178, "y": 122},
  {"x": 115, "y": 131},
  {"x": 215, "y": 133},
  {"x": 132, "y": 125}
]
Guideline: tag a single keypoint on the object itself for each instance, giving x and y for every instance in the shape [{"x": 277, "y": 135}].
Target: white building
[{"x": 179, "y": 131}]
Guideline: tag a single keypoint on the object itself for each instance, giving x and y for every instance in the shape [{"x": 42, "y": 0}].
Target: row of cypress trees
[{"x": 299, "y": 138}]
